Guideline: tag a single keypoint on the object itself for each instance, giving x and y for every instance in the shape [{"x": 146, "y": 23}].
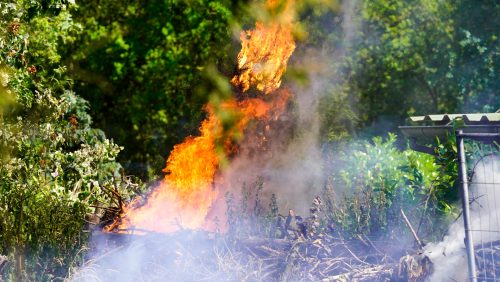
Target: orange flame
[
  {"x": 186, "y": 195},
  {"x": 265, "y": 52}
]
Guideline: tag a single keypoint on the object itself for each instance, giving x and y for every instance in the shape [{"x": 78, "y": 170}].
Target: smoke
[
  {"x": 181, "y": 256},
  {"x": 350, "y": 23},
  {"x": 449, "y": 256},
  {"x": 322, "y": 63},
  {"x": 290, "y": 166},
  {"x": 293, "y": 167},
  {"x": 307, "y": 172}
]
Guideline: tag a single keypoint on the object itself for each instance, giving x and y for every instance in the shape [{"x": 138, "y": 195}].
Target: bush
[
  {"x": 56, "y": 171},
  {"x": 377, "y": 180}
]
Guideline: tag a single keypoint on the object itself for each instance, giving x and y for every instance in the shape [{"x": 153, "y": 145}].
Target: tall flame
[
  {"x": 265, "y": 51},
  {"x": 185, "y": 196}
]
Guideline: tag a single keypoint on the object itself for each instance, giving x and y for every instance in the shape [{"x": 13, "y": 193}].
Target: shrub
[
  {"x": 56, "y": 171},
  {"x": 376, "y": 180}
]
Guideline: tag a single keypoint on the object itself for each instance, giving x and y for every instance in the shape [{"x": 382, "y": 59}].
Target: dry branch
[
  {"x": 305, "y": 256},
  {"x": 412, "y": 230}
]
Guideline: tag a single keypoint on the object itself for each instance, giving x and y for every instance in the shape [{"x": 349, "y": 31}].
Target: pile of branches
[
  {"x": 198, "y": 256},
  {"x": 333, "y": 259},
  {"x": 297, "y": 249},
  {"x": 303, "y": 250}
]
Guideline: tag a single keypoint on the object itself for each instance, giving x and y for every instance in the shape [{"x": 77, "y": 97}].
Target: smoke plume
[{"x": 449, "y": 256}]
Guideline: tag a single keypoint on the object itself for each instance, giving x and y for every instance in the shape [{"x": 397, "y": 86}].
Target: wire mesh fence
[{"x": 479, "y": 163}]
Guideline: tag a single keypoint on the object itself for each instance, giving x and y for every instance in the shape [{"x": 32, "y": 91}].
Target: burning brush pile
[
  {"x": 256, "y": 248},
  {"x": 194, "y": 227},
  {"x": 192, "y": 192}
]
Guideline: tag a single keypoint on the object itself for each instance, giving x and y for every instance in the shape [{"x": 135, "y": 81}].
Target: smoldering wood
[
  {"x": 331, "y": 258},
  {"x": 296, "y": 249},
  {"x": 322, "y": 258}
]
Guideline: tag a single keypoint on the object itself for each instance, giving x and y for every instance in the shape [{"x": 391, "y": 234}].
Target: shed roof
[
  {"x": 467, "y": 118},
  {"x": 425, "y": 129}
]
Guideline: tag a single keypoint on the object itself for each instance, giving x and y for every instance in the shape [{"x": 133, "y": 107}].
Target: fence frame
[{"x": 464, "y": 191}]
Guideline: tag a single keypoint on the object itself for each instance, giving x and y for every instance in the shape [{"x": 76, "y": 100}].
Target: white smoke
[
  {"x": 297, "y": 174},
  {"x": 292, "y": 169},
  {"x": 291, "y": 166},
  {"x": 449, "y": 256}
]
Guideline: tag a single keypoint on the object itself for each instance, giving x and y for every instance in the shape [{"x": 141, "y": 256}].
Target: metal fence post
[{"x": 462, "y": 173}]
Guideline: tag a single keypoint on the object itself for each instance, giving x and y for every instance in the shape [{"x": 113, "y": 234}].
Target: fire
[
  {"x": 264, "y": 53},
  {"x": 185, "y": 196}
]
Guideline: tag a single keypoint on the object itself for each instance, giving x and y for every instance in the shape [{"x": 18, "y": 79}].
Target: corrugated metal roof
[
  {"x": 441, "y": 131},
  {"x": 425, "y": 129},
  {"x": 481, "y": 117}
]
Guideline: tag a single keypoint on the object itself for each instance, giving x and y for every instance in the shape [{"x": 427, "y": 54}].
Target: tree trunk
[{"x": 19, "y": 263}]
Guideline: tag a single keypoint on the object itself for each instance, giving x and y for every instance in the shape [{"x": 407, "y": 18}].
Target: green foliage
[
  {"x": 391, "y": 59},
  {"x": 447, "y": 160},
  {"x": 30, "y": 45},
  {"x": 378, "y": 180},
  {"x": 148, "y": 67},
  {"x": 406, "y": 54},
  {"x": 55, "y": 169},
  {"x": 139, "y": 65},
  {"x": 246, "y": 214},
  {"x": 338, "y": 119},
  {"x": 55, "y": 174},
  {"x": 475, "y": 59}
]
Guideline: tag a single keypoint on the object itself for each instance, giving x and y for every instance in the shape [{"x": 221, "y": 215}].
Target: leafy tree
[
  {"x": 391, "y": 59},
  {"x": 475, "y": 58},
  {"x": 55, "y": 169},
  {"x": 139, "y": 65}
]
